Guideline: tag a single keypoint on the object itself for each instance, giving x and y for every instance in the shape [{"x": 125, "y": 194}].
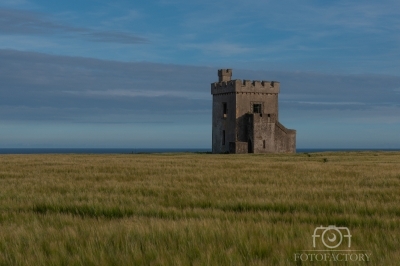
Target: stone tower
[{"x": 245, "y": 117}]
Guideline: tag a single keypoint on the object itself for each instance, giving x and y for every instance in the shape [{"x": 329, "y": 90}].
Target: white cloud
[
  {"x": 326, "y": 103},
  {"x": 219, "y": 48},
  {"x": 28, "y": 23},
  {"x": 142, "y": 93}
]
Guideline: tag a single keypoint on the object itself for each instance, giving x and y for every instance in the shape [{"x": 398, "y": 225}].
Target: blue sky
[{"x": 137, "y": 74}]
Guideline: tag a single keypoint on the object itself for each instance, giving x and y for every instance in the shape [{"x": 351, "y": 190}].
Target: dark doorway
[{"x": 249, "y": 146}]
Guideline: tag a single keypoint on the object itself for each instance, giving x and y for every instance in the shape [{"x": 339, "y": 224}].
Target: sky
[{"x": 137, "y": 74}]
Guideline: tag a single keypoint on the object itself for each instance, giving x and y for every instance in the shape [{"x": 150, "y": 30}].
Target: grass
[{"x": 195, "y": 209}]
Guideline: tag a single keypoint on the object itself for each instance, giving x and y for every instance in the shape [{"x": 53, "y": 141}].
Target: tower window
[
  {"x": 257, "y": 108},
  {"x": 223, "y": 137},
  {"x": 264, "y": 144},
  {"x": 224, "y": 109}
]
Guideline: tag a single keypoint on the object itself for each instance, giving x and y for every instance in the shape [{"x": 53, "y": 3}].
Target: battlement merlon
[
  {"x": 270, "y": 87},
  {"x": 224, "y": 75}
]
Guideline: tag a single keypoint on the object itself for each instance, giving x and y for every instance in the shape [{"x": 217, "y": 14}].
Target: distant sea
[{"x": 133, "y": 150}]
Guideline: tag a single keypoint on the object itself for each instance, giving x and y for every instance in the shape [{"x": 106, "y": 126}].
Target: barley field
[{"x": 198, "y": 209}]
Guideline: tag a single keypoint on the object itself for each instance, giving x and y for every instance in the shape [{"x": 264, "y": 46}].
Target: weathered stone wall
[
  {"x": 238, "y": 147},
  {"x": 269, "y": 136},
  {"x": 244, "y": 105},
  {"x": 261, "y": 132},
  {"x": 285, "y": 139},
  {"x": 221, "y": 123}
]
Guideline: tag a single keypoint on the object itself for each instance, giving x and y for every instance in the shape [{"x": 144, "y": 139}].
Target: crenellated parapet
[{"x": 255, "y": 86}]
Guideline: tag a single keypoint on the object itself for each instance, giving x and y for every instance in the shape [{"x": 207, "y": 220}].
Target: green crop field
[{"x": 199, "y": 209}]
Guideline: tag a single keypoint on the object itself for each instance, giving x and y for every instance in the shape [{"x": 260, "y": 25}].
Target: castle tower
[
  {"x": 245, "y": 117},
  {"x": 224, "y": 74}
]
